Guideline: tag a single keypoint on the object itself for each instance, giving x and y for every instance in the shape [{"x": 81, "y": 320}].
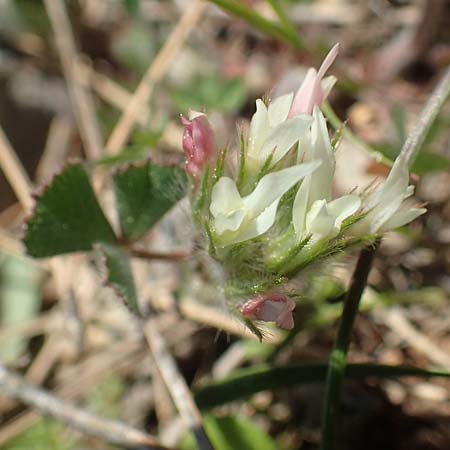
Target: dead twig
[
  {"x": 111, "y": 431},
  {"x": 118, "y": 359},
  {"x": 56, "y": 148},
  {"x": 82, "y": 101},
  {"x": 175, "y": 384},
  {"x": 151, "y": 256},
  {"x": 154, "y": 74},
  {"x": 401, "y": 326},
  {"x": 15, "y": 173}
]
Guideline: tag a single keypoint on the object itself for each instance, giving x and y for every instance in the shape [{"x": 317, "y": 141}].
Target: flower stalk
[{"x": 338, "y": 358}]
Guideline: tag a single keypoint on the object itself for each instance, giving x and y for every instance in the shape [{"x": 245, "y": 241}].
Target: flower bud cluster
[{"x": 276, "y": 215}]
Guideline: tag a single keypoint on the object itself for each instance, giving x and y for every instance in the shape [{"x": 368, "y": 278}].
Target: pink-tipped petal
[
  {"x": 311, "y": 92},
  {"x": 198, "y": 143},
  {"x": 271, "y": 308},
  {"x": 286, "y": 320},
  {"x": 302, "y": 100},
  {"x": 328, "y": 61}
]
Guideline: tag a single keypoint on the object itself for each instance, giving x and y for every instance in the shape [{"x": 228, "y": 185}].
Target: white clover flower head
[{"x": 277, "y": 214}]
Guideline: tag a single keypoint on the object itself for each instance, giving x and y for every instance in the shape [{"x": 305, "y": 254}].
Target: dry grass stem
[
  {"x": 215, "y": 318},
  {"x": 175, "y": 383},
  {"x": 110, "y": 91},
  {"x": 111, "y": 431},
  {"x": 15, "y": 173},
  {"x": 119, "y": 359},
  {"x": 401, "y": 326},
  {"x": 82, "y": 101},
  {"x": 154, "y": 74},
  {"x": 56, "y": 148}
]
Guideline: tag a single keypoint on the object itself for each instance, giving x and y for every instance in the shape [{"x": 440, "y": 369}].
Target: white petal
[
  {"x": 318, "y": 220},
  {"x": 388, "y": 199},
  {"x": 192, "y": 114},
  {"x": 402, "y": 218},
  {"x": 327, "y": 84},
  {"x": 322, "y": 182},
  {"x": 300, "y": 206},
  {"x": 343, "y": 207},
  {"x": 259, "y": 130},
  {"x": 225, "y": 197},
  {"x": 409, "y": 191},
  {"x": 305, "y": 149},
  {"x": 283, "y": 137},
  {"x": 387, "y": 206},
  {"x": 229, "y": 222},
  {"x": 259, "y": 225},
  {"x": 274, "y": 185},
  {"x": 279, "y": 109}
]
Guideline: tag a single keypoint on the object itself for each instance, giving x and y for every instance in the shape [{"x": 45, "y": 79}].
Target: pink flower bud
[
  {"x": 311, "y": 91},
  {"x": 271, "y": 308},
  {"x": 198, "y": 142}
]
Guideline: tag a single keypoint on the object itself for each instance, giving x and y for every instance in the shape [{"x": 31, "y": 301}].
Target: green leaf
[
  {"x": 427, "y": 162},
  {"x": 118, "y": 275},
  {"x": 144, "y": 194},
  {"x": 246, "y": 382},
  {"x": 249, "y": 15},
  {"x": 67, "y": 217},
  {"x": 233, "y": 433}
]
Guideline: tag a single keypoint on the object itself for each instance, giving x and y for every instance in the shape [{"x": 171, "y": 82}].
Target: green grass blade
[
  {"x": 246, "y": 382},
  {"x": 259, "y": 22}
]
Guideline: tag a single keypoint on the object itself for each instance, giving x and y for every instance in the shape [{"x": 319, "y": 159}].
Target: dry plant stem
[
  {"x": 154, "y": 74},
  {"x": 15, "y": 173},
  {"x": 111, "y": 431},
  {"x": 110, "y": 91},
  {"x": 56, "y": 148},
  {"x": 40, "y": 367},
  {"x": 176, "y": 384},
  {"x": 82, "y": 101},
  {"x": 151, "y": 256},
  {"x": 338, "y": 357},
  {"x": 123, "y": 356},
  {"x": 400, "y": 325},
  {"x": 427, "y": 116}
]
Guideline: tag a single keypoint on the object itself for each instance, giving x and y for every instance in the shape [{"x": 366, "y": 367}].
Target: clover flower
[
  {"x": 276, "y": 215},
  {"x": 271, "y": 308},
  {"x": 198, "y": 142},
  {"x": 386, "y": 209}
]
